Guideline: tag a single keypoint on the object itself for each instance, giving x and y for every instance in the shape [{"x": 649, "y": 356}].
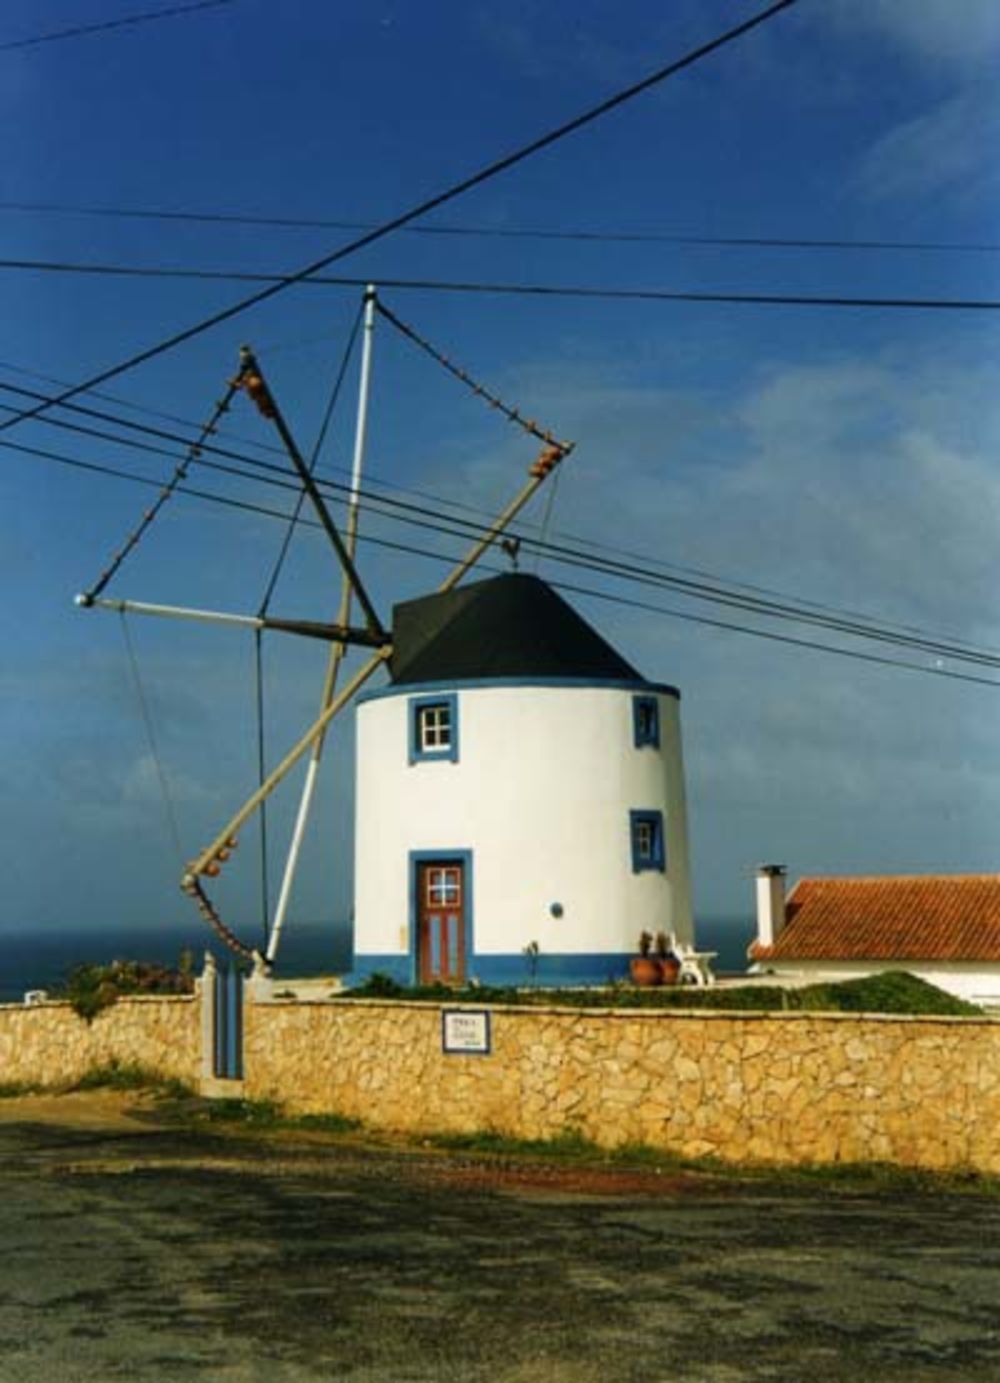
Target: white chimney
[{"x": 770, "y": 903}]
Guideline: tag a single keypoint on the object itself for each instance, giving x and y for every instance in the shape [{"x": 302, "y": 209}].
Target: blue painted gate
[{"x": 228, "y": 1035}]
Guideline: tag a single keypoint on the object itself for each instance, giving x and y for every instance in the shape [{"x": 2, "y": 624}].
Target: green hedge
[{"x": 892, "y": 992}]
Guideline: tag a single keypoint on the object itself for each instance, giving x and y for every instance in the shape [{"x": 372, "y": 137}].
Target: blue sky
[{"x": 846, "y": 457}]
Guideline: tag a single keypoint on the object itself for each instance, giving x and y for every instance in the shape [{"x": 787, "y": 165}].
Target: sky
[{"x": 844, "y": 457}]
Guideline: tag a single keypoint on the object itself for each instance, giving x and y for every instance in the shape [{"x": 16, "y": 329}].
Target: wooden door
[{"x": 441, "y": 922}]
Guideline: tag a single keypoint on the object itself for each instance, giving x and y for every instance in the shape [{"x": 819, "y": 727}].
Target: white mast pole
[{"x": 337, "y": 651}]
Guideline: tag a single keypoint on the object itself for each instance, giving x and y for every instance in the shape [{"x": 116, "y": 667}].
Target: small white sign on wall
[{"x": 465, "y": 1032}]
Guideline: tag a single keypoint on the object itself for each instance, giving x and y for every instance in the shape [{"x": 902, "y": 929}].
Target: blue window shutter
[
  {"x": 646, "y": 722},
  {"x": 647, "y": 841}
]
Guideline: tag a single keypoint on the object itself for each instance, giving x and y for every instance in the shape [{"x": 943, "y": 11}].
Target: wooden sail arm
[
  {"x": 541, "y": 468},
  {"x": 252, "y": 380},
  {"x": 216, "y": 854},
  {"x": 308, "y": 628}
]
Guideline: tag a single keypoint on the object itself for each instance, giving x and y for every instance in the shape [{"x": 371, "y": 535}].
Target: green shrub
[
  {"x": 892, "y": 992},
  {"x": 91, "y": 988},
  {"x": 895, "y": 991}
]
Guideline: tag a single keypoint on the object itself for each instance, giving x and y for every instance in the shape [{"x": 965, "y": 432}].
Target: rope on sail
[
  {"x": 547, "y": 519},
  {"x": 180, "y": 473},
  {"x": 510, "y": 413},
  {"x": 147, "y": 720}
]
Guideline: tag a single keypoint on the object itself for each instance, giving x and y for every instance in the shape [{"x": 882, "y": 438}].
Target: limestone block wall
[
  {"x": 780, "y": 1088},
  {"x": 783, "y": 1088},
  {"x": 49, "y": 1044}
]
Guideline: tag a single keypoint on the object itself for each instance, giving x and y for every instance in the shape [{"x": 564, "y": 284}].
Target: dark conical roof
[{"x": 509, "y": 626}]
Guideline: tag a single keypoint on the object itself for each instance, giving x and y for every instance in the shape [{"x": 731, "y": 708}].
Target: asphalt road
[{"x": 131, "y": 1251}]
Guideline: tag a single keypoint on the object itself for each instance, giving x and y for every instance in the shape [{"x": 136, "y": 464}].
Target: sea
[{"x": 41, "y": 959}]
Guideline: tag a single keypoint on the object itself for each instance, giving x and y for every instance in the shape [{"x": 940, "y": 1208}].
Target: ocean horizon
[{"x": 42, "y": 958}]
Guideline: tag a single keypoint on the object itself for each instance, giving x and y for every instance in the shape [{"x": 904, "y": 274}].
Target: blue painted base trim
[{"x": 566, "y": 970}]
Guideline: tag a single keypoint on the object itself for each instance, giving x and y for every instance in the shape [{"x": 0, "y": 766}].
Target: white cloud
[
  {"x": 866, "y": 481},
  {"x": 143, "y": 787},
  {"x": 950, "y": 147},
  {"x": 959, "y": 33}
]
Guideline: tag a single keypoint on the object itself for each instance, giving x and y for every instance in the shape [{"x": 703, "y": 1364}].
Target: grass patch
[
  {"x": 14, "y": 1089},
  {"x": 247, "y": 1113},
  {"x": 568, "y": 1146},
  {"x": 118, "y": 1075},
  {"x": 324, "y": 1123},
  {"x": 257, "y": 1116},
  {"x": 856, "y": 1178},
  {"x": 892, "y": 992},
  {"x": 572, "y": 1148}
]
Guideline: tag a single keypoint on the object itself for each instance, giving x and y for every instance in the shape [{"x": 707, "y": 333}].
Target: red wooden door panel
[{"x": 441, "y": 922}]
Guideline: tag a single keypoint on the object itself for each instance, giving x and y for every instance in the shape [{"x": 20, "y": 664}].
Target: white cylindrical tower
[{"x": 520, "y": 798}]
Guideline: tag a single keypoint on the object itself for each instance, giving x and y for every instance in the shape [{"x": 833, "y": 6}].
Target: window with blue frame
[
  {"x": 434, "y": 728},
  {"x": 648, "y": 845},
  {"x": 646, "y": 721}
]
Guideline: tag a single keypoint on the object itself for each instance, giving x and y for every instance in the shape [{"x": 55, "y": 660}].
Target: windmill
[{"x": 370, "y": 632}]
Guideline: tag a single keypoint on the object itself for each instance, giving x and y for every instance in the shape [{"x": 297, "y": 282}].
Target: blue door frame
[{"x": 445, "y": 857}]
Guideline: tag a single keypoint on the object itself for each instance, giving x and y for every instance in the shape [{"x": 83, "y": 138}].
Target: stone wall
[
  {"x": 782, "y": 1088},
  {"x": 49, "y": 1045}
]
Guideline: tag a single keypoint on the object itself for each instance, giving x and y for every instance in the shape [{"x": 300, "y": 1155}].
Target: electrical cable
[
  {"x": 144, "y": 408},
  {"x": 617, "y": 571},
  {"x": 862, "y": 626},
  {"x": 448, "y": 502},
  {"x": 449, "y": 560},
  {"x": 80, "y": 30},
  {"x": 529, "y": 290},
  {"x": 482, "y": 175},
  {"x": 511, "y": 232},
  {"x": 774, "y": 637}
]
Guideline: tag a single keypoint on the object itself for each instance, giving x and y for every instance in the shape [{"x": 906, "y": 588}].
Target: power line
[
  {"x": 705, "y": 586},
  {"x": 777, "y": 638},
  {"x": 484, "y": 174},
  {"x": 438, "y": 501},
  {"x": 512, "y": 232},
  {"x": 80, "y": 30},
  {"x": 668, "y": 612},
  {"x": 538, "y": 290},
  {"x": 426, "y": 520},
  {"x": 140, "y": 408}
]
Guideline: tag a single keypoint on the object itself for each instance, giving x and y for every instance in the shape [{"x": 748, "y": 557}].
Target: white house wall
[{"x": 540, "y": 797}]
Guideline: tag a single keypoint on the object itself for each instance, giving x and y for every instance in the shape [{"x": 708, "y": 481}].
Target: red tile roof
[{"x": 920, "y": 917}]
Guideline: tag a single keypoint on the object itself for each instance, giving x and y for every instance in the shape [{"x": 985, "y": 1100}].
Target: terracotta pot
[
  {"x": 645, "y": 970},
  {"x": 670, "y": 969}
]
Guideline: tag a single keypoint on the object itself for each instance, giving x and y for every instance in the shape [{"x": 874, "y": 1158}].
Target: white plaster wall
[
  {"x": 541, "y": 795},
  {"x": 979, "y": 984}
]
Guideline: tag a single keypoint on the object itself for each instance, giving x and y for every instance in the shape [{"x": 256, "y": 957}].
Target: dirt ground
[{"x": 130, "y": 1248}]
